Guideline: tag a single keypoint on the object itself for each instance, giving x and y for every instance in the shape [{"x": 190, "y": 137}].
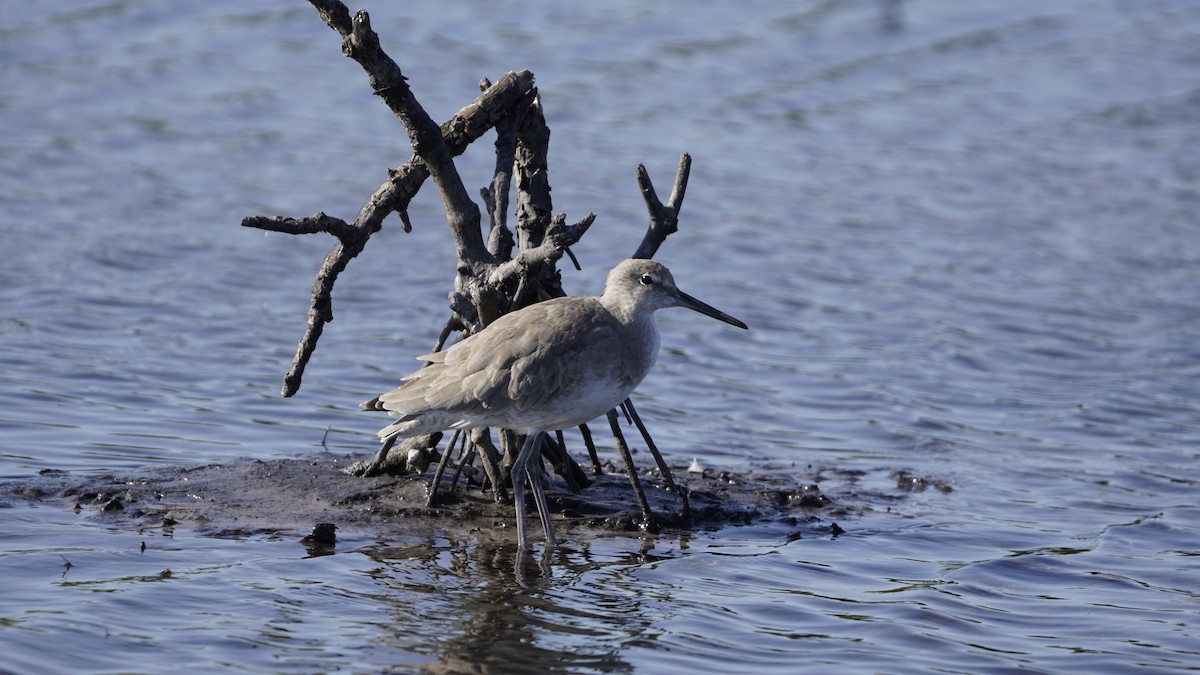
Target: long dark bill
[{"x": 688, "y": 301}]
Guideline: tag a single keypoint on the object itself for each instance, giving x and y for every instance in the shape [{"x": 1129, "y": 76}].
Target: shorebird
[{"x": 546, "y": 367}]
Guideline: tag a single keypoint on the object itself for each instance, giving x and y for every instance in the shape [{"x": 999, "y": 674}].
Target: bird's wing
[{"x": 508, "y": 363}]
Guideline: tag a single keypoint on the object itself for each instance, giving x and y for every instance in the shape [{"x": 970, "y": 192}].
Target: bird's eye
[{"x": 647, "y": 280}]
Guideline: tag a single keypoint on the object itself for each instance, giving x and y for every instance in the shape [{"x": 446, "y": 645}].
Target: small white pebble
[
  {"x": 418, "y": 460},
  {"x": 695, "y": 467}
]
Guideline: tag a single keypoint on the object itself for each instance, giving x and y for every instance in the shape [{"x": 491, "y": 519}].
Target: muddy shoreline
[{"x": 291, "y": 496}]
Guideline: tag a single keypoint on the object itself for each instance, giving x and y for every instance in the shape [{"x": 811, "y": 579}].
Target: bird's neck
[{"x": 627, "y": 313}]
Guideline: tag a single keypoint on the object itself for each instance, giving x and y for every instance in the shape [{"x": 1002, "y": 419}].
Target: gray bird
[{"x": 549, "y": 366}]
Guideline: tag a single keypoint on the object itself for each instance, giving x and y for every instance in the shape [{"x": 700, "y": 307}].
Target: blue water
[{"x": 964, "y": 234}]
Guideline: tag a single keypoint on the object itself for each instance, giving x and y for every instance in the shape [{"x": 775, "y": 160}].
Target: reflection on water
[{"x": 963, "y": 234}]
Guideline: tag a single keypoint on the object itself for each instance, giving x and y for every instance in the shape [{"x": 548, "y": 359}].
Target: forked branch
[
  {"x": 495, "y": 274},
  {"x": 664, "y": 218},
  {"x": 434, "y": 148}
]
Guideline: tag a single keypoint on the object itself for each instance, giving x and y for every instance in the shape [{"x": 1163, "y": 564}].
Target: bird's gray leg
[
  {"x": 537, "y": 479},
  {"x": 518, "y": 484},
  {"x": 615, "y": 424}
]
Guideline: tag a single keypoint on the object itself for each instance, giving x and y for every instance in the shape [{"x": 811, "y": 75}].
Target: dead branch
[
  {"x": 490, "y": 279},
  {"x": 402, "y": 184},
  {"x": 664, "y": 219}
]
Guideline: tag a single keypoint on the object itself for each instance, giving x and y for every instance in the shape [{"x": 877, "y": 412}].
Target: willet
[{"x": 547, "y": 367}]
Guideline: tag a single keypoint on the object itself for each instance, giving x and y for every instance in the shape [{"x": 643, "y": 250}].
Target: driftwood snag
[{"x": 495, "y": 274}]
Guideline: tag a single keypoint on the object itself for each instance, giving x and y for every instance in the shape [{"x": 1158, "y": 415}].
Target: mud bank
[{"x": 282, "y": 496}]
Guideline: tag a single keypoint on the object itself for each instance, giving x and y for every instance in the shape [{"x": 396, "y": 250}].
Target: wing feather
[{"x": 521, "y": 361}]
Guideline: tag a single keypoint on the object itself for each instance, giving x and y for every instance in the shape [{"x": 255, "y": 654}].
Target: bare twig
[
  {"x": 591, "y": 448},
  {"x": 481, "y": 439},
  {"x": 500, "y": 237},
  {"x": 431, "y": 499},
  {"x": 664, "y": 219}
]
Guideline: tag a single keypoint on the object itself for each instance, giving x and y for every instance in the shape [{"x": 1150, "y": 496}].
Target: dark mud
[{"x": 254, "y": 497}]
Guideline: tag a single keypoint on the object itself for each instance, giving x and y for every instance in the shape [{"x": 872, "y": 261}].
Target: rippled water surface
[{"x": 964, "y": 234}]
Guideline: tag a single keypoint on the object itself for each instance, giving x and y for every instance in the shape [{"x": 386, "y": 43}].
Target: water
[{"x": 964, "y": 236}]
